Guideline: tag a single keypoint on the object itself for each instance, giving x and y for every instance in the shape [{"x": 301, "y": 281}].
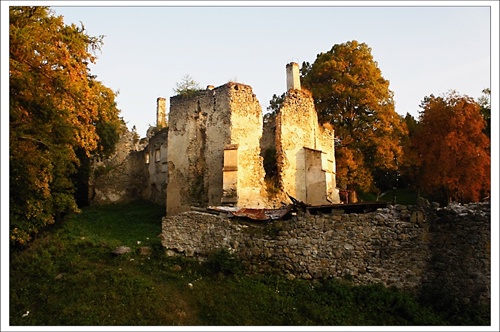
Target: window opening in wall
[
  {"x": 157, "y": 155},
  {"x": 271, "y": 178},
  {"x": 230, "y": 175},
  {"x": 146, "y": 158}
]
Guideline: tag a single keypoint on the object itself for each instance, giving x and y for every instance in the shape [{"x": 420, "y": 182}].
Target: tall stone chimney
[
  {"x": 161, "y": 107},
  {"x": 292, "y": 76}
]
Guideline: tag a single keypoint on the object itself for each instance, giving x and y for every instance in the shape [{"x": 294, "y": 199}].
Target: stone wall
[
  {"x": 161, "y": 112},
  {"x": 297, "y": 129},
  {"x": 460, "y": 251},
  {"x": 155, "y": 155},
  {"x": 137, "y": 170},
  {"x": 246, "y": 132},
  {"x": 206, "y": 131},
  {"x": 399, "y": 246},
  {"x": 122, "y": 177},
  {"x": 123, "y": 182},
  {"x": 187, "y": 141}
]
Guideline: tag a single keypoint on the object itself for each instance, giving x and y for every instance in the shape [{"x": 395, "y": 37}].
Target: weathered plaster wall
[
  {"x": 187, "y": 142},
  {"x": 297, "y": 128},
  {"x": 326, "y": 140},
  {"x": 156, "y": 163},
  {"x": 121, "y": 177},
  {"x": 137, "y": 170},
  {"x": 246, "y": 132},
  {"x": 123, "y": 182},
  {"x": 315, "y": 177},
  {"x": 200, "y": 128},
  {"x": 294, "y": 130},
  {"x": 212, "y": 154},
  {"x": 292, "y": 76},
  {"x": 400, "y": 246},
  {"x": 161, "y": 112},
  {"x": 218, "y": 136}
]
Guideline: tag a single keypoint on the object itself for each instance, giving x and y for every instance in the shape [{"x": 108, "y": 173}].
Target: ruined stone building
[
  {"x": 213, "y": 149},
  {"x": 137, "y": 169}
]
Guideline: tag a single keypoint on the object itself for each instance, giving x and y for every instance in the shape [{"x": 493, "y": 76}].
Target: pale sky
[{"x": 421, "y": 50}]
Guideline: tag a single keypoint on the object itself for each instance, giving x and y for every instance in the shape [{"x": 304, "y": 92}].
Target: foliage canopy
[
  {"x": 351, "y": 94},
  {"x": 58, "y": 111},
  {"x": 485, "y": 103},
  {"x": 187, "y": 86},
  {"x": 453, "y": 150}
]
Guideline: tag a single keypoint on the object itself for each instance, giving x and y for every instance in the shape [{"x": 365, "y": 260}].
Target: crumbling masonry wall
[
  {"x": 122, "y": 177},
  {"x": 400, "y": 246},
  {"x": 217, "y": 144},
  {"x": 246, "y": 132},
  {"x": 155, "y": 159},
  {"x": 305, "y": 151},
  {"x": 211, "y": 152},
  {"x": 214, "y": 149},
  {"x": 137, "y": 170},
  {"x": 187, "y": 143}
]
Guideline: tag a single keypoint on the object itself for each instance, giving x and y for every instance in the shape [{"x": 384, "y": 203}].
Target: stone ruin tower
[
  {"x": 215, "y": 149},
  {"x": 304, "y": 148}
]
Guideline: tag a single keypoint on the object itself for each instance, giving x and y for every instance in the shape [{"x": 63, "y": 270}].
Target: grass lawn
[{"x": 68, "y": 276}]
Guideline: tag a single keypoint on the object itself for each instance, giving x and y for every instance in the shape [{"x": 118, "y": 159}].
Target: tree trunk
[{"x": 352, "y": 196}]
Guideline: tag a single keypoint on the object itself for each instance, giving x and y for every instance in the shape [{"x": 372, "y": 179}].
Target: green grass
[{"x": 69, "y": 277}]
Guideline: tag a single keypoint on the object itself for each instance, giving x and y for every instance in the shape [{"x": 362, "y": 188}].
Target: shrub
[{"x": 222, "y": 262}]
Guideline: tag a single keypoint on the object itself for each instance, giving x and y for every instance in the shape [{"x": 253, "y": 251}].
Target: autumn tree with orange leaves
[
  {"x": 453, "y": 150},
  {"x": 59, "y": 115},
  {"x": 350, "y": 93}
]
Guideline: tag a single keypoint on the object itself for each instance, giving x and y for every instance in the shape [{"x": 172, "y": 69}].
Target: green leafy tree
[
  {"x": 485, "y": 103},
  {"x": 453, "y": 151},
  {"x": 275, "y": 103},
  {"x": 187, "y": 86},
  {"x": 58, "y": 112},
  {"x": 273, "y": 108},
  {"x": 269, "y": 154},
  {"x": 409, "y": 169},
  {"x": 350, "y": 93}
]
